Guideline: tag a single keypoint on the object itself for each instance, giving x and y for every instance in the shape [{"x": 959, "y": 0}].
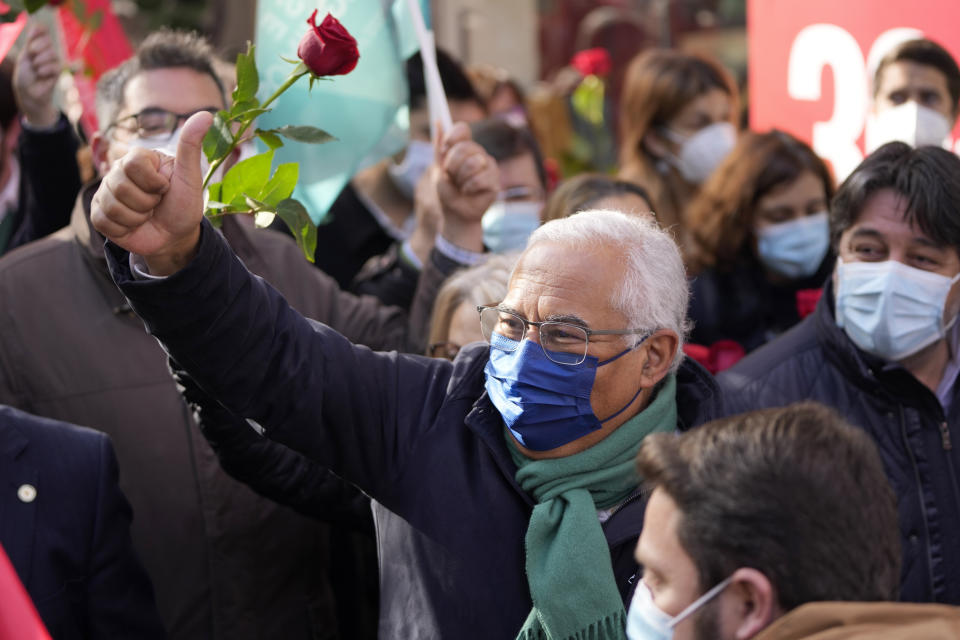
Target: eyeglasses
[
  {"x": 448, "y": 350},
  {"x": 155, "y": 122},
  {"x": 562, "y": 342}
]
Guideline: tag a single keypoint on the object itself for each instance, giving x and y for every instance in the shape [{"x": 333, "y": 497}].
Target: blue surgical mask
[
  {"x": 796, "y": 248},
  {"x": 647, "y": 621},
  {"x": 507, "y": 225},
  {"x": 416, "y": 161},
  {"x": 544, "y": 404},
  {"x": 890, "y": 309}
]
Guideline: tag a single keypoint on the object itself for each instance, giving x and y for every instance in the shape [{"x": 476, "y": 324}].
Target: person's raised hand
[
  {"x": 468, "y": 182},
  {"x": 35, "y": 78},
  {"x": 151, "y": 204}
]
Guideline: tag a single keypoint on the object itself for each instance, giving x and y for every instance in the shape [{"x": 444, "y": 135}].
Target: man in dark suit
[{"x": 66, "y": 527}]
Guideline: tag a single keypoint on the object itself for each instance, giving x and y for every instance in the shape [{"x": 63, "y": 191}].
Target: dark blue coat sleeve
[{"x": 358, "y": 412}]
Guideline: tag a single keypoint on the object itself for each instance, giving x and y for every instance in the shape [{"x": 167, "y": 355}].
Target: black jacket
[
  {"x": 417, "y": 434},
  {"x": 66, "y": 527},
  {"x": 817, "y": 361},
  {"x": 743, "y": 306}
]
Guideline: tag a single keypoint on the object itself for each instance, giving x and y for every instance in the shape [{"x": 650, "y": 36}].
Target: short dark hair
[
  {"x": 795, "y": 493},
  {"x": 456, "y": 84},
  {"x": 581, "y": 192},
  {"x": 163, "y": 49},
  {"x": 925, "y": 52},
  {"x": 928, "y": 178},
  {"x": 503, "y": 141}
]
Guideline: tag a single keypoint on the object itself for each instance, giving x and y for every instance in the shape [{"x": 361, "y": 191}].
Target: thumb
[{"x": 189, "y": 148}]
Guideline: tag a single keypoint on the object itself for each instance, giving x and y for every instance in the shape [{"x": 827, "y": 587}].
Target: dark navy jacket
[
  {"x": 417, "y": 434},
  {"x": 66, "y": 527},
  {"x": 917, "y": 442}
]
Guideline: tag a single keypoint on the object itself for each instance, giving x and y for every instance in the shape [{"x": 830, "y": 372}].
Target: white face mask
[
  {"x": 507, "y": 225},
  {"x": 168, "y": 146},
  {"x": 647, "y": 621},
  {"x": 703, "y": 151},
  {"x": 908, "y": 122},
  {"x": 796, "y": 248},
  {"x": 416, "y": 161},
  {"x": 890, "y": 309}
]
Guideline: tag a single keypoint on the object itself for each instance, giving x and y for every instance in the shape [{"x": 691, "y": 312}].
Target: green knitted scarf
[{"x": 568, "y": 567}]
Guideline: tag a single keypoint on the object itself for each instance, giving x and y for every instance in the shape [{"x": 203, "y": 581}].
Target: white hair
[{"x": 654, "y": 292}]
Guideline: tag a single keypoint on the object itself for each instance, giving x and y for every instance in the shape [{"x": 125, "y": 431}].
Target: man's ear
[
  {"x": 661, "y": 348},
  {"x": 752, "y": 603},
  {"x": 99, "y": 146}
]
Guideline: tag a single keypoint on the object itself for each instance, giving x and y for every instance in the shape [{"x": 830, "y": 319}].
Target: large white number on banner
[{"x": 815, "y": 47}]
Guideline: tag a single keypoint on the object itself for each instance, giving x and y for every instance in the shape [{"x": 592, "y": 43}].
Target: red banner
[
  {"x": 99, "y": 42},
  {"x": 811, "y": 64}
]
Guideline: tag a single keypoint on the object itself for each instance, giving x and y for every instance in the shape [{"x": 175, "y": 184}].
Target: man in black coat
[
  {"x": 65, "y": 525},
  {"x": 882, "y": 348},
  {"x": 512, "y": 467}
]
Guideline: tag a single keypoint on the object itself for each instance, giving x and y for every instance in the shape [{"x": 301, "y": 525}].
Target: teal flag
[{"x": 366, "y": 110}]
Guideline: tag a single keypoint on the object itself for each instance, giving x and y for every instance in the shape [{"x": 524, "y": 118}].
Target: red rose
[
  {"x": 328, "y": 50},
  {"x": 592, "y": 62}
]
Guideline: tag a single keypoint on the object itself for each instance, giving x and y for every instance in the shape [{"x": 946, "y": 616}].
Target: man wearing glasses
[
  {"x": 224, "y": 563},
  {"x": 512, "y": 467}
]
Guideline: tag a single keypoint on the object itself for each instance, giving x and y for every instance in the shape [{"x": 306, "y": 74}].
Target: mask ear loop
[
  {"x": 699, "y": 602},
  {"x": 639, "y": 391}
]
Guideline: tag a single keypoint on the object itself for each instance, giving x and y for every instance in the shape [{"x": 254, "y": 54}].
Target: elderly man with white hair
[{"x": 512, "y": 467}]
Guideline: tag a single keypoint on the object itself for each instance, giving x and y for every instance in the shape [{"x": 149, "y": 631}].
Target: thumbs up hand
[{"x": 151, "y": 204}]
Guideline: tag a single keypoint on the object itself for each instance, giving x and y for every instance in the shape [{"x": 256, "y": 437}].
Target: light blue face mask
[
  {"x": 507, "y": 225},
  {"x": 796, "y": 248},
  {"x": 647, "y": 621},
  {"x": 890, "y": 309}
]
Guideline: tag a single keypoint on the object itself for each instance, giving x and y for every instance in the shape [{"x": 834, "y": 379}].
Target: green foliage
[
  {"x": 304, "y": 133},
  {"x": 295, "y": 216},
  {"x": 219, "y": 139},
  {"x": 248, "y": 80},
  {"x": 270, "y": 139}
]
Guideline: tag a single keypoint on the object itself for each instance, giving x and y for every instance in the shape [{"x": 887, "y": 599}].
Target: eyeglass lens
[{"x": 561, "y": 342}]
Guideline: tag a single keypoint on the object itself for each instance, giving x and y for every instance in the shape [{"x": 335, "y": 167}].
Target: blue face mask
[
  {"x": 796, "y": 248},
  {"x": 544, "y": 404},
  {"x": 507, "y": 225}
]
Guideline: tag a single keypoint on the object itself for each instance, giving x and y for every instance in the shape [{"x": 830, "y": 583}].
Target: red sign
[
  {"x": 100, "y": 43},
  {"x": 811, "y": 64}
]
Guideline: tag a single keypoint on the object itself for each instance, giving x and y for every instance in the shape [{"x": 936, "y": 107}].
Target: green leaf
[
  {"x": 219, "y": 138},
  {"x": 249, "y": 115},
  {"x": 96, "y": 20},
  {"x": 295, "y": 216},
  {"x": 304, "y": 133},
  {"x": 34, "y": 5},
  {"x": 245, "y": 105},
  {"x": 246, "y": 179},
  {"x": 270, "y": 139},
  {"x": 248, "y": 80},
  {"x": 214, "y": 194},
  {"x": 281, "y": 185}
]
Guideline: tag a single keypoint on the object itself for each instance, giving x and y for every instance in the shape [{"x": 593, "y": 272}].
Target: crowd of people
[{"x": 711, "y": 395}]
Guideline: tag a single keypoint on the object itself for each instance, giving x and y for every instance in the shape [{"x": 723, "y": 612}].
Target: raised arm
[{"x": 353, "y": 410}]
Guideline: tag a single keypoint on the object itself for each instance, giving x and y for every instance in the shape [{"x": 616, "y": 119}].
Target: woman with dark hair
[
  {"x": 677, "y": 117},
  {"x": 758, "y": 238}
]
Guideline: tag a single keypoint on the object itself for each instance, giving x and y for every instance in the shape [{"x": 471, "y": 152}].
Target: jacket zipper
[{"x": 923, "y": 504}]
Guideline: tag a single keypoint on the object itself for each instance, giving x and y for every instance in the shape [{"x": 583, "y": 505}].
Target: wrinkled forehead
[{"x": 554, "y": 280}]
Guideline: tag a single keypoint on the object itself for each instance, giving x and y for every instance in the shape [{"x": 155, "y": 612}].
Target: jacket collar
[{"x": 89, "y": 238}]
